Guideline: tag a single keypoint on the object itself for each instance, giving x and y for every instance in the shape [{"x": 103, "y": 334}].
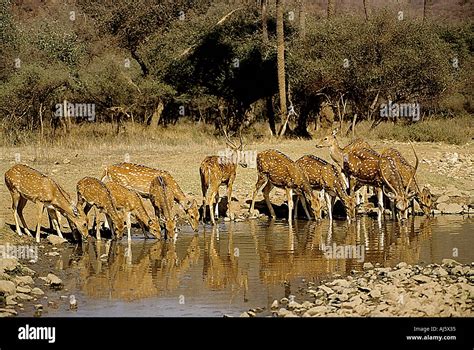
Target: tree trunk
[
  {"x": 281, "y": 60},
  {"x": 264, "y": 22},
  {"x": 331, "y": 8},
  {"x": 365, "y": 10},
  {"x": 142, "y": 64},
  {"x": 424, "y": 9},
  {"x": 302, "y": 19},
  {"x": 156, "y": 117}
]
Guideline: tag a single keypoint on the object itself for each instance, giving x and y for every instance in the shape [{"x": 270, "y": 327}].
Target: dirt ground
[{"x": 441, "y": 165}]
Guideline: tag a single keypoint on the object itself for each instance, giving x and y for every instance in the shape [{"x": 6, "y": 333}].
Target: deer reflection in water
[
  {"x": 118, "y": 271},
  {"x": 221, "y": 268}
]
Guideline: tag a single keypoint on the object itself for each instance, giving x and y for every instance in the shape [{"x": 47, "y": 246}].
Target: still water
[{"x": 237, "y": 266}]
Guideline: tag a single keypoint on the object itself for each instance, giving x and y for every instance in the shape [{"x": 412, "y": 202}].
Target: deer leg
[
  {"x": 108, "y": 222},
  {"x": 53, "y": 216},
  {"x": 216, "y": 201},
  {"x": 229, "y": 197},
  {"x": 329, "y": 205},
  {"x": 97, "y": 224},
  {"x": 211, "y": 197},
  {"x": 289, "y": 195},
  {"x": 128, "y": 253},
  {"x": 21, "y": 204},
  {"x": 266, "y": 194},
  {"x": 38, "y": 225},
  {"x": 295, "y": 214},
  {"x": 380, "y": 204},
  {"x": 261, "y": 183},
  {"x": 129, "y": 226},
  {"x": 15, "y": 201},
  {"x": 305, "y": 207}
]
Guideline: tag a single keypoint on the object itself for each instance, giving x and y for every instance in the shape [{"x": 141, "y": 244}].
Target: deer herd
[{"x": 122, "y": 188}]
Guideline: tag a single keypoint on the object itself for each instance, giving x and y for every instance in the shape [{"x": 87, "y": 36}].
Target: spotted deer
[
  {"x": 216, "y": 171},
  {"x": 327, "y": 178},
  {"x": 399, "y": 176},
  {"x": 27, "y": 184},
  {"x": 129, "y": 202},
  {"x": 139, "y": 177},
  {"x": 277, "y": 170},
  {"x": 162, "y": 198},
  {"x": 92, "y": 192},
  {"x": 360, "y": 163}
]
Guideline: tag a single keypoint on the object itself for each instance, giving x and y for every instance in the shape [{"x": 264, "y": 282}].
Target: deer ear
[
  {"x": 411, "y": 194},
  {"x": 335, "y": 131}
]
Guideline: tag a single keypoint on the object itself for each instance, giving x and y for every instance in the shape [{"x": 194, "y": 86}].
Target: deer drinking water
[
  {"x": 277, "y": 170},
  {"x": 139, "y": 177},
  {"x": 162, "y": 199},
  {"x": 129, "y": 202},
  {"x": 93, "y": 192},
  {"x": 326, "y": 177},
  {"x": 27, "y": 184}
]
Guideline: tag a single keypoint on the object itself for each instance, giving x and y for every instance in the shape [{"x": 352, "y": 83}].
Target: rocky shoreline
[{"x": 434, "y": 290}]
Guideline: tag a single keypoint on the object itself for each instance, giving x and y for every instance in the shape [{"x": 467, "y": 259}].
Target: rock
[
  {"x": 375, "y": 293},
  {"x": 23, "y": 296},
  {"x": 307, "y": 305},
  {"x": 54, "y": 281},
  {"x": 25, "y": 289},
  {"x": 421, "y": 279},
  {"x": 25, "y": 270},
  {"x": 449, "y": 262},
  {"x": 342, "y": 283},
  {"x": 38, "y": 307},
  {"x": 274, "y": 305},
  {"x": 290, "y": 315},
  {"x": 56, "y": 240},
  {"x": 317, "y": 310},
  {"x": 10, "y": 300},
  {"x": 52, "y": 254},
  {"x": 457, "y": 270},
  {"x": 284, "y": 301},
  {"x": 327, "y": 290},
  {"x": 283, "y": 312},
  {"x": 442, "y": 199},
  {"x": 37, "y": 291},
  {"x": 9, "y": 264},
  {"x": 439, "y": 271},
  {"x": 293, "y": 305},
  {"x": 250, "y": 313},
  {"x": 368, "y": 266},
  {"x": 244, "y": 314},
  {"x": 7, "y": 288},
  {"x": 24, "y": 280},
  {"x": 343, "y": 297},
  {"x": 365, "y": 289},
  {"x": 9, "y": 311},
  {"x": 402, "y": 265},
  {"x": 451, "y": 208}
]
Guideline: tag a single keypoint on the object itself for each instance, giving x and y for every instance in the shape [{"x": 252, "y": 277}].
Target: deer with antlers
[
  {"x": 129, "y": 202},
  {"x": 27, "y": 184},
  {"x": 92, "y": 192},
  {"x": 216, "y": 171},
  {"x": 359, "y": 162},
  {"x": 408, "y": 179},
  {"x": 139, "y": 177},
  {"x": 277, "y": 170},
  {"x": 327, "y": 178},
  {"x": 162, "y": 199}
]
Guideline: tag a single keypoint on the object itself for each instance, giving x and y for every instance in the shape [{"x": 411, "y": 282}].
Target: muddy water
[{"x": 237, "y": 266}]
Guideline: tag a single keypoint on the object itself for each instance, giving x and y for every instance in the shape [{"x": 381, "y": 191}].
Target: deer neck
[{"x": 336, "y": 153}]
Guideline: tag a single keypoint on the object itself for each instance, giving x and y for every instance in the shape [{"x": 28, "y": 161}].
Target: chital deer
[
  {"x": 399, "y": 177},
  {"x": 216, "y": 171},
  {"x": 129, "y": 202},
  {"x": 162, "y": 199},
  {"x": 139, "y": 177},
  {"x": 326, "y": 177},
  {"x": 359, "y": 162},
  {"x": 93, "y": 193},
  {"x": 277, "y": 170},
  {"x": 27, "y": 184}
]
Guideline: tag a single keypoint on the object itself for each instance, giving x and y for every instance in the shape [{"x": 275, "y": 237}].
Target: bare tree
[
  {"x": 331, "y": 8},
  {"x": 281, "y": 60},
  {"x": 365, "y": 10},
  {"x": 264, "y": 22}
]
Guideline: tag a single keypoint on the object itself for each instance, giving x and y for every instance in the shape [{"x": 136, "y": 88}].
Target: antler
[
  {"x": 386, "y": 181},
  {"x": 231, "y": 143},
  {"x": 412, "y": 178}
]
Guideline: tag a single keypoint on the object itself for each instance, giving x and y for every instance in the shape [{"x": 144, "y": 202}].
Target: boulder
[
  {"x": 56, "y": 240},
  {"x": 7, "y": 288}
]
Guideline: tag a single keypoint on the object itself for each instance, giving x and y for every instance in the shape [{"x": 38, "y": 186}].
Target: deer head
[
  {"x": 237, "y": 149},
  {"x": 154, "y": 227},
  {"x": 192, "y": 211},
  {"x": 328, "y": 140},
  {"x": 425, "y": 199}
]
